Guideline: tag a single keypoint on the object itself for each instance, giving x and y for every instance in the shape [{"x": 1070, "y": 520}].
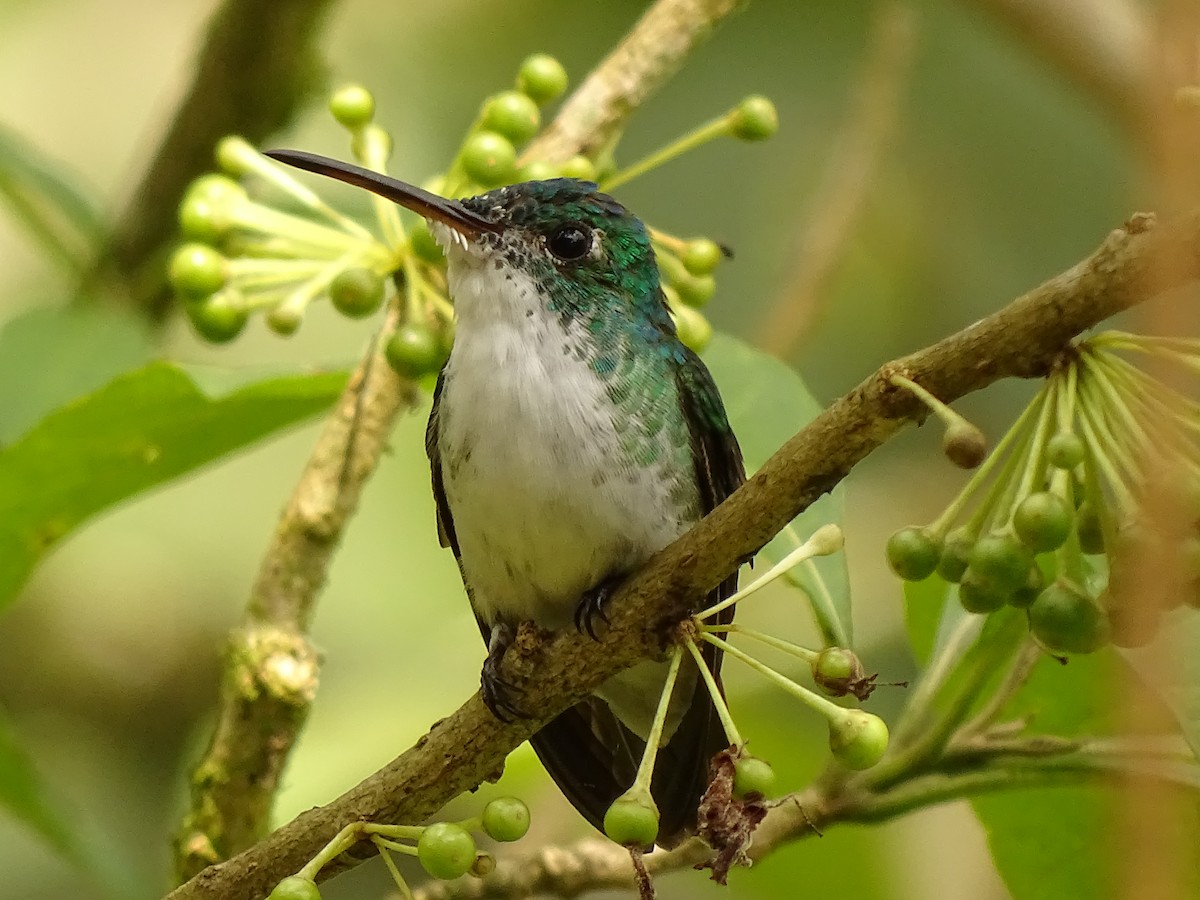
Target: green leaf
[
  {"x": 141, "y": 430},
  {"x": 1054, "y": 843},
  {"x": 51, "y": 355},
  {"x": 924, "y": 603},
  {"x": 62, "y": 218},
  {"x": 767, "y": 403},
  {"x": 23, "y": 795}
]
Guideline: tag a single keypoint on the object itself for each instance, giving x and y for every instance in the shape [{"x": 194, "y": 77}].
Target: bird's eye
[{"x": 571, "y": 242}]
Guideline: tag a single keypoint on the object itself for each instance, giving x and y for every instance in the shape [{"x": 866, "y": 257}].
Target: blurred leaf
[
  {"x": 23, "y": 796},
  {"x": 1053, "y": 843},
  {"x": 51, "y": 355},
  {"x": 767, "y": 403},
  {"x": 55, "y": 211},
  {"x": 142, "y": 429},
  {"x": 1177, "y": 644},
  {"x": 924, "y": 602}
]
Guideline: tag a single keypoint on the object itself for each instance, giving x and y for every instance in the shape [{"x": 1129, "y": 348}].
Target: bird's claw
[
  {"x": 498, "y": 695},
  {"x": 592, "y": 605}
]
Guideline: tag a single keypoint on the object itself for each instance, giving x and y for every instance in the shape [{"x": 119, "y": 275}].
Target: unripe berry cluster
[
  {"x": 274, "y": 246},
  {"x": 1050, "y": 523},
  {"x": 445, "y": 850}
]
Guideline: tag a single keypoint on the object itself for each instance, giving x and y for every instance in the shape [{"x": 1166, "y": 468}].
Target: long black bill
[{"x": 431, "y": 206}]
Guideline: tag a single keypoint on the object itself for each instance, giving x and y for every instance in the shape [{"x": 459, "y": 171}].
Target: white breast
[{"x": 543, "y": 506}]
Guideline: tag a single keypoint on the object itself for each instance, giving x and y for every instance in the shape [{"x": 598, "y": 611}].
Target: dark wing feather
[{"x": 445, "y": 522}]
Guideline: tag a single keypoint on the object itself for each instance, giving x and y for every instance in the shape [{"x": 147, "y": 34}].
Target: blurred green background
[{"x": 998, "y": 176}]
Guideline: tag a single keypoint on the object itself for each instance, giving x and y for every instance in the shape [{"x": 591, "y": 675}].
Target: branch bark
[{"x": 554, "y": 671}]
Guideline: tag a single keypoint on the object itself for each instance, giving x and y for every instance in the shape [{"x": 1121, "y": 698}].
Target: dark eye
[{"x": 571, "y": 242}]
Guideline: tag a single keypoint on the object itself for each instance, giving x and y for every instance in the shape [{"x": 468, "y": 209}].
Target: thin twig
[
  {"x": 555, "y": 671},
  {"x": 847, "y": 181}
]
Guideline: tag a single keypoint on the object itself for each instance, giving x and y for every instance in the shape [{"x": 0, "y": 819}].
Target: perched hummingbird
[{"x": 572, "y": 436}]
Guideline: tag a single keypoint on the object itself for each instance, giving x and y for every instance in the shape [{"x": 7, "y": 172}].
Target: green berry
[
  {"x": 197, "y": 270},
  {"x": 1087, "y": 524},
  {"x": 446, "y": 850},
  {"x": 485, "y": 864},
  {"x": 352, "y": 105},
  {"x": 1000, "y": 562},
  {"x": 753, "y": 778},
  {"x": 701, "y": 256},
  {"x": 978, "y": 596},
  {"x": 755, "y": 119},
  {"x": 1043, "y": 521},
  {"x": 964, "y": 445},
  {"x": 1065, "y": 450},
  {"x": 295, "y": 887},
  {"x": 1065, "y": 619},
  {"x": 424, "y": 246},
  {"x": 488, "y": 157},
  {"x": 542, "y": 78},
  {"x": 537, "y": 170},
  {"x": 513, "y": 115},
  {"x": 858, "y": 739},
  {"x": 632, "y": 821},
  {"x": 696, "y": 290},
  {"x": 208, "y": 210},
  {"x": 219, "y": 318},
  {"x": 413, "y": 350},
  {"x": 693, "y": 328},
  {"x": 835, "y": 664},
  {"x": 506, "y": 819},
  {"x": 956, "y": 553},
  {"x": 285, "y": 319},
  {"x": 913, "y": 553},
  {"x": 1024, "y": 596},
  {"x": 579, "y": 167},
  {"x": 356, "y": 292}
]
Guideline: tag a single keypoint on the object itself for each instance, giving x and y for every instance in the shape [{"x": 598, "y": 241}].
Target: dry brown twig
[{"x": 271, "y": 668}]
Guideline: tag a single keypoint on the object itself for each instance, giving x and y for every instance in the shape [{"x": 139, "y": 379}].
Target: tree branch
[
  {"x": 469, "y": 746},
  {"x": 271, "y": 668},
  {"x": 258, "y": 64}
]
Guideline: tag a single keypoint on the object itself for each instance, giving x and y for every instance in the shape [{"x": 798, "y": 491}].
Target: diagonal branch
[{"x": 468, "y": 746}]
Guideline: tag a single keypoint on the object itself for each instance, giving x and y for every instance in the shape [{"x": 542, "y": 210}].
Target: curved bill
[{"x": 449, "y": 212}]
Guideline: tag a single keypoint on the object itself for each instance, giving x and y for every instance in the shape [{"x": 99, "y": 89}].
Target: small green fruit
[
  {"x": 753, "y": 778},
  {"x": 537, "y": 170},
  {"x": 1065, "y": 450},
  {"x": 446, "y": 850},
  {"x": 352, "y": 105},
  {"x": 1000, "y": 562},
  {"x": 913, "y": 553},
  {"x": 1043, "y": 521},
  {"x": 755, "y": 119},
  {"x": 414, "y": 350},
  {"x": 356, "y": 292},
  {"x": 580, "y": 167},
  {"x": 488, "y": 158},
  {"x": 696, "y": 290},
  {"x": 197, "y": 270},
  {"x": 208, "y": 210},
  {"x": 632, "y": 822},
  {"x": 956, "y": 553},
  {"x": 219, "y": 318},
  {"x": 1067, "y": 620},
  {"x": 506, "y": 819},
  {"x": 701, "y": 256},
  {"x": 424, "y": 246},
  {"x": 1023, "y": 597},
  {"x": 285, "y": 319},
  {"x": 513, "y": 115},
  {"x": 542, "y": 78},
  {"x": 964, "y": 445},
  {"x": 978, "y": 596},
  {"x": 858, "y": 739},
  {"x": 1087, "y": 524},
  {"x": 295, "y": 887},
  {"x": 692, "y": 326}
]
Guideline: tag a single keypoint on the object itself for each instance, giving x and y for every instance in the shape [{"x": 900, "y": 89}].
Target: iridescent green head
[{"x": 585, "y": 252}]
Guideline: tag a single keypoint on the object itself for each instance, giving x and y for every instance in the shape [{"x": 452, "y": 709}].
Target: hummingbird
[{"x": 572, "y": 436}]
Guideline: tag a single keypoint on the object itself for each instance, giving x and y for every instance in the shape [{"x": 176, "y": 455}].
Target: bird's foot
[
  {"x": 592, "y": 605},
  {"x": 498, "y": 695}
]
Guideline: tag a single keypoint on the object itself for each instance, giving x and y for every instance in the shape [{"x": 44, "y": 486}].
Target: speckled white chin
[{"x": 544, "y": 505}]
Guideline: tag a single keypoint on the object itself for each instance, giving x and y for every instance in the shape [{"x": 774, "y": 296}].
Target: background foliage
[{"x": 999, "y": 176}]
